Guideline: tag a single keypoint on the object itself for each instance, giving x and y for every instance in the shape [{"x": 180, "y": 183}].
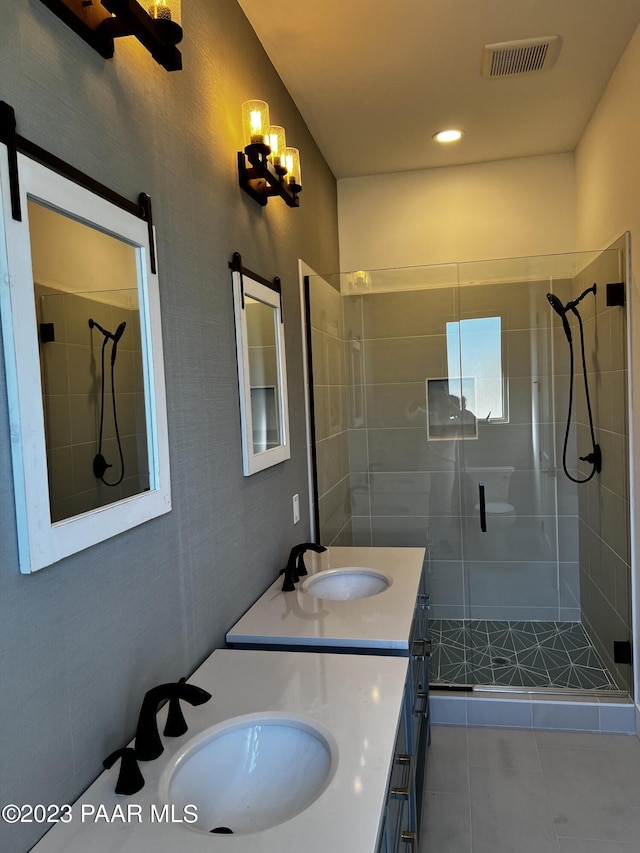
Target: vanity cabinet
[
  {"x": 351, "y": 705},
  {"x": 418, "y": 697},
  {"x": 399, "y": 820}
]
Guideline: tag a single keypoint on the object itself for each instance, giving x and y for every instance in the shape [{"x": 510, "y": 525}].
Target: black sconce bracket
[
  {"x": 260, "y": 179},
  {"x": 92, "y": 20}
]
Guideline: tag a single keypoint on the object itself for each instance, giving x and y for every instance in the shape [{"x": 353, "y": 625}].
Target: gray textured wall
[{"x": 81, "y": 641}]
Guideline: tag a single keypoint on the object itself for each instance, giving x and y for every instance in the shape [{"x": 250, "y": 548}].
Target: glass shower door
[
  {"x": 545, "y": 536},
  {"x": 508, "y": 368}
]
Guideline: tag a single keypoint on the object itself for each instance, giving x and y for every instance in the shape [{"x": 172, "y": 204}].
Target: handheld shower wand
[
  {"x": 100, "y": 464},
  {"x": 595, "y": 457},
  {"x": 113, "y": 336},
  {"x": 561, "y": 309}
]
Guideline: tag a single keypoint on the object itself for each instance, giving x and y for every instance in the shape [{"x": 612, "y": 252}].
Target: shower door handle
[{"x": 483, "y": 508}]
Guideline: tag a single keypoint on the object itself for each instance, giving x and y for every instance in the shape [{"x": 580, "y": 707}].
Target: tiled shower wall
[
  {"x": 604, "y": 512},
  {"x": 330, "y": 404},
  {"x": 71, "y": 376}
]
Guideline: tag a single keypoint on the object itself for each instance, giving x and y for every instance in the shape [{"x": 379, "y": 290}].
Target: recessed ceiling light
[{"x": 451, "y": 135}]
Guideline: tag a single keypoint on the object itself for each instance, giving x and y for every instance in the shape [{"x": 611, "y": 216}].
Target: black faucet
[
  {"x": 295, "y": 564},
  {"x": 148, "y": 744}
]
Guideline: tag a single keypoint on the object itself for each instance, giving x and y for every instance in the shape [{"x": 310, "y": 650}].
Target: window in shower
[{"x": 474, "y": 348}]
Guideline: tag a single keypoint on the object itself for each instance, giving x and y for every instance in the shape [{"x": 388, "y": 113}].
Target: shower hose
[
  {"x": 100, "y": 464},
  {"x": 595, "y": 457}
]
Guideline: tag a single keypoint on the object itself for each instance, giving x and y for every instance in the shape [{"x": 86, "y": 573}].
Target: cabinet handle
[
  {"x": 403, "y": 793},
  {"x": 410, "y": 838},
  {"x": 421, "y": 696}
]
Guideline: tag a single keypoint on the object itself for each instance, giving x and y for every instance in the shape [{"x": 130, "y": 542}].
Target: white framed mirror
[
  {"x": 262, "y": 375},
  {"x": 85, "y": 375}
]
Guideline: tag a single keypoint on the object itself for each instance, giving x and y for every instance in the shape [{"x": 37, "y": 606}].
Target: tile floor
[
  {"x": 516, "y": 654},
  {"x": 501, "y": 790}
]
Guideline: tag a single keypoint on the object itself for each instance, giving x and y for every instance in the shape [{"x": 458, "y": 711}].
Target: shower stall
[{"x": 439, "y": 399}]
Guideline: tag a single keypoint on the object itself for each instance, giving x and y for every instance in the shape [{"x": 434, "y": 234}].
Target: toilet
[{"x": 497, "y": 482}]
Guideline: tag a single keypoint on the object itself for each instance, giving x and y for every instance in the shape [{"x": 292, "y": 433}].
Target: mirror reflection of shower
[
  {"x": 594, "y": 458},
  {"x": 100, "y": 464}
]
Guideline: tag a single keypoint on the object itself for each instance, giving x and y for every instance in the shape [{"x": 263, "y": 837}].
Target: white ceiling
[{"x": 375, "y": 80}]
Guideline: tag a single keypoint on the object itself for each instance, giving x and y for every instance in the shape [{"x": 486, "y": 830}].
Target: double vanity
[{"x": 317, "y": 745}]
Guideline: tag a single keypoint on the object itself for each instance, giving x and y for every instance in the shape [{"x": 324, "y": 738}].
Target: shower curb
[{"x": 527, "y": 711}]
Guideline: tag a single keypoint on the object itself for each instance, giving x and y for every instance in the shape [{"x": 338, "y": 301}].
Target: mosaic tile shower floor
[{"x": 515, "y": 654}]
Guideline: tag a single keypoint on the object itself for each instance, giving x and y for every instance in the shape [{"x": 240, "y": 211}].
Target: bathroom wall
[
  {"x": 607, "y": 192},
  {"x": 505, "y": 209},
  {"x": 605, "y": 556},
  {"x": 83, "y": 640}
]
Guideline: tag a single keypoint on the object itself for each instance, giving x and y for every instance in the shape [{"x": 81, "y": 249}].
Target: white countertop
[
  {"x": 381, "y": 621},
  {"x": 356, "y": 697}
]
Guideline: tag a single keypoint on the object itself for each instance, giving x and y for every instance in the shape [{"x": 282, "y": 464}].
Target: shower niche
[{"x": 450, "y": 435}]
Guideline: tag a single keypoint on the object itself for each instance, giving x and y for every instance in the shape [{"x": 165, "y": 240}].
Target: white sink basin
[
  {"x": 346, "y": 583},
  {"x": 250, "y": 773}
]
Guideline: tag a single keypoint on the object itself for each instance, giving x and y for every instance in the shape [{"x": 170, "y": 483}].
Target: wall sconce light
[
  {"x": 359, "y": 281},
  {"x": 267, "y": 167},
  {"x": 277, "y": 144},
  {"x": 155, "y": 23}
]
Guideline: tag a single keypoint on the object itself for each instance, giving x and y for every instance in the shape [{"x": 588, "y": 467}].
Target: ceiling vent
[{"x": 520, "y": 57}]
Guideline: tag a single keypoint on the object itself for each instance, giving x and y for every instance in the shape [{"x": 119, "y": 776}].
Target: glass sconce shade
[
  {"x": 255, "y": 122},
  {"x": 165, "y": 10},
  {"x": 292, "y": 163},
  {"x": 277, "y": 143},
  {"x": 360, "y": 280}
]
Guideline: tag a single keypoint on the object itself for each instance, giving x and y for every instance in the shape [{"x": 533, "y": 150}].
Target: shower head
[
  {"x": 556, "y": 304},
  {"x": 560, "y": 309},
  {"x": 114, "y": 336},
  {"x": 119, "y": 332}
]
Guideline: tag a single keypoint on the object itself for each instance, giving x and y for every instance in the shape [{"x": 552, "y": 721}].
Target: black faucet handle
[
  {"x": 130, "y": 779},
  {"x": 176, "y": 724}
]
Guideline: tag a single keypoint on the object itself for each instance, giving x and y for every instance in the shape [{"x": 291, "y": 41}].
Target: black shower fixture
[
  {"x": 595, "y": 457},
  {"x": 114, "y": 336},
  {"x": 100, "y": 464},
  {"x": 561, "y": 309},
  {"x": 110, "y": 336},
  {"x": 572, "y": 305}
]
